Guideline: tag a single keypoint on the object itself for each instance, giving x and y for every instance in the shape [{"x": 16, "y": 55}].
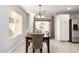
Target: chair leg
[
  {"x": 33, "y": 50},
  {"x": 41, "y": 50}
]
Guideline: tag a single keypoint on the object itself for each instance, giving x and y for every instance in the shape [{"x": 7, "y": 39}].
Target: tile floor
[{"x": 55, "y": 47}]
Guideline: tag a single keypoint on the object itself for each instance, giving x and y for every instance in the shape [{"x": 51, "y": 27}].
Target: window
[
  {"x": 42, "y": 26},
  {"x": 15, "y": 23}
]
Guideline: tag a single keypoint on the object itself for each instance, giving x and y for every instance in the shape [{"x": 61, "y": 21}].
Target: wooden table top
[{"x": 29, "y": 37}]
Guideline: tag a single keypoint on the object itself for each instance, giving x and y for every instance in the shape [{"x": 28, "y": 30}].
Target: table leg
[
  {"x": 26, "y": 45},
  {"x": 48, "y": 45}
]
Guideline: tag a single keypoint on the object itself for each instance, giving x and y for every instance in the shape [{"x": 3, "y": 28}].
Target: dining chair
[
  {"x": 37, "y": 31},
  {"x": 37, "y": 40}
]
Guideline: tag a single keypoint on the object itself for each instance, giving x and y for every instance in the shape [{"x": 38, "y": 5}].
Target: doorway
[{"x": 70, "y": 30}]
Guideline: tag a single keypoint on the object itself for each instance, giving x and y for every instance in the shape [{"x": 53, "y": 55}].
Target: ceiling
[{"x": 50, "y": 10}]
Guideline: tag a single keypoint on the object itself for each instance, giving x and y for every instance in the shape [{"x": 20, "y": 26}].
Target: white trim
[{"x": 16, "y": 46}]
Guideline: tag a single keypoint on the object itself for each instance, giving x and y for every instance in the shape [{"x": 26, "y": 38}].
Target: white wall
[
  {"x": 62, "y": 27},
  {"x": 30, "y": 19},
  {"x": 30, "y": 23},
  {"x": 56, "y": 27},
  {"x": 7, "y": 43},
  {"x": 74, "y": 16}
]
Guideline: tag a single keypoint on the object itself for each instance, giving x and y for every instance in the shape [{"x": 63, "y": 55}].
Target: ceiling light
[
  {"x": 68, "y": 8},
  {"x": 39, "y": 15}
]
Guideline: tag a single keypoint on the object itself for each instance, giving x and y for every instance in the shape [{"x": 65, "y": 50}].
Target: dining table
[{"x": 45, "y": 39}]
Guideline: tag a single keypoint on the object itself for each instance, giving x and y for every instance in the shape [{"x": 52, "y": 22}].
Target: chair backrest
[
  {"x": 37, "y": 40},
  {"x": 38, "y": 31}
]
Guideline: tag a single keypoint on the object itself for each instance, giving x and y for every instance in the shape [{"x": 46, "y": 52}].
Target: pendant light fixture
[{"x": 39, "y": 15}]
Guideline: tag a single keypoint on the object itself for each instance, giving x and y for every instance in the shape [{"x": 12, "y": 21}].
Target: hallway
[{"x": 55, "y": 47}]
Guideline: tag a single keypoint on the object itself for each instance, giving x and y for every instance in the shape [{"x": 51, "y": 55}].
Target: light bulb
[{"x": 42, "y": 16}]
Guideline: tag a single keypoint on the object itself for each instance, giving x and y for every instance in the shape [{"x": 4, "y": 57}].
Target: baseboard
[{"x": 16, "y": 46}]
